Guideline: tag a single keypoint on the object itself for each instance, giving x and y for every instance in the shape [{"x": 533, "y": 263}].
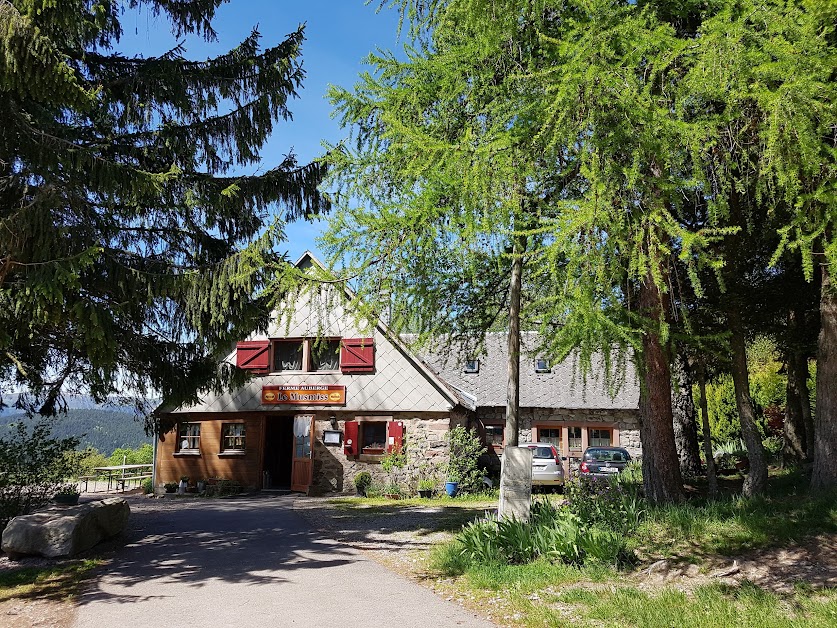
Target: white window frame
[
  {"x": 542, "y": 365},
  {"x": 190, "y": 439}
]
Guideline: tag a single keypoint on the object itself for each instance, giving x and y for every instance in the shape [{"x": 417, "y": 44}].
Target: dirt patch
[
  {"x": 40, "y": 613},
  {"x": 779, "y": 569}
]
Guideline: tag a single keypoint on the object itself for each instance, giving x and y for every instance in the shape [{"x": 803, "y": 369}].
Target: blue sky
[{"x": 339, "y": 34}]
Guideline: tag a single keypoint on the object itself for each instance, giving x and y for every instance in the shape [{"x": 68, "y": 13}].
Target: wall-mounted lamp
[{"x": 333, "y": 419}]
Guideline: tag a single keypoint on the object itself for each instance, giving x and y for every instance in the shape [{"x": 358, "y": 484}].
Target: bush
[
  {"x": 147, "y": 486},
  {"x": 144, "y": 454},
  {"x": 363, "y": 481},
  {"x": 605, "y": 503},
  {"x": 34, "y": 466},
  {"x": 554, "y": 534},
  {"x": 465, "y": 448}
]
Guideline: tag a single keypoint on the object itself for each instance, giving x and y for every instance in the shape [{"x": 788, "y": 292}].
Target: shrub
[
  {"x": 465, "y": 448},
  {"x": 395, "y": 459},
  {"x": 147, "y": 486},
  {"x": 363, "y": 481},
  {"x": 34, "y": 466},
  {"x": 600, "y": 502},
  {"x": 552, "y": 533}
]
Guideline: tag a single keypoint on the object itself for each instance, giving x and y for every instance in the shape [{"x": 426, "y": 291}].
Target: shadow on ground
[{"x": 246, "y": 540}]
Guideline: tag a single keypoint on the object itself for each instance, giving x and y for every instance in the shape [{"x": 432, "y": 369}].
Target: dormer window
[
  {"x": 472, "y": 366},
  {"x": 542, "y": 365}
]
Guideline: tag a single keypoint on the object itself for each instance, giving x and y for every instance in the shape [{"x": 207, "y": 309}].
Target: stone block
[
  {"x": 516, "y": 483},
  {"x": 65, "y": 531}
]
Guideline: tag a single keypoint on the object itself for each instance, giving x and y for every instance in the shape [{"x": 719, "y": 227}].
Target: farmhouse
[{"x": 328, "y": 399}]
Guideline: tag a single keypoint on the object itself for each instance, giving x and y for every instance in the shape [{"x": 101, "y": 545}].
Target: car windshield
[{"x": 607, "y": 455}]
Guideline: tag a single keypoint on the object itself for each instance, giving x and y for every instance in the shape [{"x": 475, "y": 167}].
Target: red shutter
[
  {"x": 357, "y": 355},
  {"x": 253, "y": 355},
  {"x": 395, "y": 431},
  {"x": 351, "y": 446}
]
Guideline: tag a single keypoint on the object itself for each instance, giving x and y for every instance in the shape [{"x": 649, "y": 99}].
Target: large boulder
[{"x": 65, "y": 531}]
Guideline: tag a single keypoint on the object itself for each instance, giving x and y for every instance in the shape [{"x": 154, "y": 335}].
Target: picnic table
[{"x": 120, "y": 474}]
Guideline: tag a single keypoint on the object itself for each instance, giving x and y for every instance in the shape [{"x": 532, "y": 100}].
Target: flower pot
[
  {"x": 66, "y": 499},
  {"x": 451, "y": 488},
  {"x": 427, "y": 494}
]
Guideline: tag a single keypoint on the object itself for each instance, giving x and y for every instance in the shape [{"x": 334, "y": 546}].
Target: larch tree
[
  {"x": 133, "y": 251},
  {"x": 442, "y": 181},
  {"x": 760, "y": 102}
]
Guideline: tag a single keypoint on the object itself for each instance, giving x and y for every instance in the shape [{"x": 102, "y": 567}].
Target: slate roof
[{"x": 561, "y": 388}]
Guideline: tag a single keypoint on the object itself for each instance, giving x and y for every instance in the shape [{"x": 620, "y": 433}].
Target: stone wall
[
  {"x": 427, "y": 453},
  {"x": 626, "y": 421}
]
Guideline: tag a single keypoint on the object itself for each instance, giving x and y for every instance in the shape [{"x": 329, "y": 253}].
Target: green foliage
[
  {"x": 426, "y": 484},
  {"x": 464, "y": 450},
  {"x": 135, "y": 246},
  {"x": 395, "y": 459},
  {"x": 147, "y": 486},
  {"x": 607, "y": 504},
  {"x": 363, "y": 481},
  {"x": 552, "y": 533},
  {"x": 144, "y": 454},
  {"x": 34, "y": 466}
]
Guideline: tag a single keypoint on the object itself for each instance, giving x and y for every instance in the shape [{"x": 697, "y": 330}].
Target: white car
[{"x": 547, "y": 468}]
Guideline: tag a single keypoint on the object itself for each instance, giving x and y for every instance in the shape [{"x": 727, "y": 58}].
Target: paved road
[{"x": 248, "y": 563}]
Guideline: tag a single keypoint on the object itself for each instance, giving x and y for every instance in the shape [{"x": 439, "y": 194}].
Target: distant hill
[
  {"x": 74, "y": 402},
  {"x": 104, "y": 429}
]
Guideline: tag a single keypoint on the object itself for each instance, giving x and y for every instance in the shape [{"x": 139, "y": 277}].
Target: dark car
[{"x": 604, "y": 462}]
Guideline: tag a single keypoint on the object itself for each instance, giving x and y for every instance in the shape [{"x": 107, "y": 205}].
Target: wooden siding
[{"x": 245, "y": 469}]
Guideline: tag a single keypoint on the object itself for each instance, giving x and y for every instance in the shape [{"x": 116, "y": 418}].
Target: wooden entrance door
[{"x": 303, "y": 464}]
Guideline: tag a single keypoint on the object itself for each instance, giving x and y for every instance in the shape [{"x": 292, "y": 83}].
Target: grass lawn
[
  {"x": 702, "y": 533},
  {"x": 56, "y": 582}
]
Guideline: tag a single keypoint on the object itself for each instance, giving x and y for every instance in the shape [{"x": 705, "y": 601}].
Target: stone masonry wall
[
  {"x": 627, "y": 421},
  {"x": 427, "y": 453}
]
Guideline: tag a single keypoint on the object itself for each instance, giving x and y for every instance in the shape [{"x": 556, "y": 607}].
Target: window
[
  {"x": 232, "y": 437},
  {"x": 373, "y": 437},
  {"x": 574, "y": 438},
  {"x": 325, "y": 355},
  {"x": 287, "y": 355},
  {"x": 541, "y": 365},
  {"x": 494, "y": 435},
  {"x": 472, "y": 366},
  {"x": 550, "y": 435},
  {"x": 189, "y": 437},
  {"x": 600, "y": 437}
]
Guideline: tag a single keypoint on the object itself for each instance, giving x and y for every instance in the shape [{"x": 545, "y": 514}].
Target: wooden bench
[{"x": 123, "y": 482}]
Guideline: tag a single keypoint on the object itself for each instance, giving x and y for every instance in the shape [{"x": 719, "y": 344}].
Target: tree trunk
[
  {"x": 756, "y": 481},
  {"x": 793, "y": 447},
  {"x": 825, "y": 421},
  {"x": 805, "y": 401},
  {"x": 685, "y": 420},
  {"x": 798, "y": 429},
  {"x": 513, "y": 392},
  {"x": 711, "y": 471},
  {"x": 661, "y": 467}
]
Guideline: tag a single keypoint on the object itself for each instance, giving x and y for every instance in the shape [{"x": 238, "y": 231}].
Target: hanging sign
[{"x": 309, "y": 395}]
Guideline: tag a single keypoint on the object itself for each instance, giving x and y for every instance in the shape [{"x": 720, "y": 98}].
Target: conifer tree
[{"x": 132, "y": 249}]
